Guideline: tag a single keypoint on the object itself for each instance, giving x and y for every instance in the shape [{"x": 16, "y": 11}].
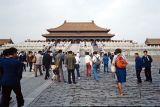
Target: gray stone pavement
[
  {"x": 88, "y": 92},
  {"x": 31, "y": 87}
]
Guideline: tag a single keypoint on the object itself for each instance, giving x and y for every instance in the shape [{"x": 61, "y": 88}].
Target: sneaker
[
  {"x": 79, "y": 78},
  {"x": 74, "y": 82},
  {"x": 146, "y": 80},
  {"x": 45, "y": 78},
  {"x": 69, "y": 82},
  {"x": 150, "y": 81},
  {"x": 139, "y": 82}
]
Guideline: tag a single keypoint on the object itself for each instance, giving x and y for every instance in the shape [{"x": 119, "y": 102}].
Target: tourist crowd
[{"x": 13, "y": 64}]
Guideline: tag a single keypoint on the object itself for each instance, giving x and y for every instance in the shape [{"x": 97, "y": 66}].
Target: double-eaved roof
[
  {"x": 78, "y": 29},
  {"x": 5, "y": 41},
  {"x": 152, "y": 41}
]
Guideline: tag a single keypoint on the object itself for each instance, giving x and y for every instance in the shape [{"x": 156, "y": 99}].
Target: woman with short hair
[{"x": 120, "y": 63}]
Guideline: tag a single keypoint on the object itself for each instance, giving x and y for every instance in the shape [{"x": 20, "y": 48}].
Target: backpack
[
  {"x": 121, "y": 62},
  {"x": 98, "y": 62}
]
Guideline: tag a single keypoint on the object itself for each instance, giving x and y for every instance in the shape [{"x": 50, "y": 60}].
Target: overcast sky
[{"x": 128, "y": 19}]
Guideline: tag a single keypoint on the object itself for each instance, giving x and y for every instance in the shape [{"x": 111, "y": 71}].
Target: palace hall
[{"x": 78, "y": 31}]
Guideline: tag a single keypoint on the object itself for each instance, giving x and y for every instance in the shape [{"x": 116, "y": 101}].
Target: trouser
[
  {"x": 95, "y": 72},
  {"x": 71, "y": 72},
  {"x": 43, "y": 67},
  {"x": 38, "y": 67},
  {"x": 61, "y": 74},
  {"x": 24, "y": 66},
  {"x": 27, "y": 63},
  {"x": 88, "y": 69},
  {"x": 77, "y": 69},
  {"x": 47, "y": 72},
  {"x": 98, "y": 67},
  {"x": 148, "y": 74},
  {"x": 6, "y": 92},
  {"x": 63, "y": 61},
  {"x": 33, "y": 67},
  {"x": 30, "y": 65},
  {"x": 105, "y": 67},
  {"x": 138, "y": 72}
]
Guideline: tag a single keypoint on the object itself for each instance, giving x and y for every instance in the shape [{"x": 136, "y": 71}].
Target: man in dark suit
[
  {"x": 10, "y": 80},
  {"x": 147, "y": 60},
  {"x": 47, "y": 60}
]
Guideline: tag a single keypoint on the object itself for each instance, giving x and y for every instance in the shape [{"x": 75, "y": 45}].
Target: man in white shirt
[
  {"x": 38, "y": 63},
  {"x": 77, "y": 65}
]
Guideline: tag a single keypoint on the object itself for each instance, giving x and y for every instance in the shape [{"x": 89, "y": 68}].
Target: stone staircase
[{"x": 74, "y": 48}]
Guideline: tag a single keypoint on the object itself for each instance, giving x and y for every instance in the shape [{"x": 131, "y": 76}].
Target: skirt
[{"x": 121, "y": 75}]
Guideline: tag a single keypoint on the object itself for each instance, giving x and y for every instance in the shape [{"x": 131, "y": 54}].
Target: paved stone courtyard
[{"x": 87, "y": 92}]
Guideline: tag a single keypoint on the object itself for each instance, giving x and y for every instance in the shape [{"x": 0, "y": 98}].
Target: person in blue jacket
[
  {"x": 105, "y": 62},
  {"x": 4, "y": 54},
  {"x": 10, "y": 79},
  {"x": 138, "y": 66}
]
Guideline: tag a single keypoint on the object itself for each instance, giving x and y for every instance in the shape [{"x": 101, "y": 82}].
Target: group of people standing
[
  {"x": 141, "y": 63},
  {"x": 71, "y": 62},
  {"x": 119, "y": 61},
  {"x": 93, "y": 64},
  {"x": 12, "y": 65}
]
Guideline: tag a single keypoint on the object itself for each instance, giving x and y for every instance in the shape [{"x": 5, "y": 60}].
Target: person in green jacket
[{"x": 70, "y": 64}]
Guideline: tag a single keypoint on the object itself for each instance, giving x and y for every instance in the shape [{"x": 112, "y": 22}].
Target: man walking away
[
  {"x": 11, "y": 76},
  {"x": 70, "y": 64},
  {"x": 138, "y": 66},
  {"x": 58, "y": 62},
  {"x": 77, "y": 65},
  {"x": 94, "y": 60},
  {"x": 98, "y": 58},
  {"x": 38, "y": 64},
  {"x": 105, "y": 62},
  {"x": 63, "y": 56},
  {"x": 47, "y": 60},
  {"x": 29, "y": 59},
  {"x": 147, "y": 60}
]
